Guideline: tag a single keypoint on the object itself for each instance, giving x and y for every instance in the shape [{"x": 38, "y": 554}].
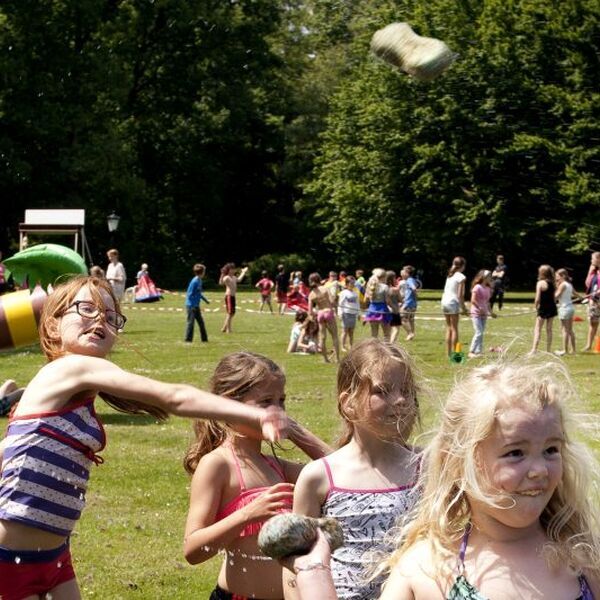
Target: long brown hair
[
  {"x": 358, "y": 369},
  {"x": 54, "y": 308},
  {"x": 234, "y": 377}
]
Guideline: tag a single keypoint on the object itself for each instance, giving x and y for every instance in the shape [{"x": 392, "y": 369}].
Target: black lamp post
[{"x": 113, "y": 222}]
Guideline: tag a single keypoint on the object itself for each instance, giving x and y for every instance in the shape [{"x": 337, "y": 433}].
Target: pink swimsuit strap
[{"x": 247, "y": 495}]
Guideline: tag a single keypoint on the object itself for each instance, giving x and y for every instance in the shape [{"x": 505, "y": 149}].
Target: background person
[
  {"x": 194, "y": 295},
  {"x": 115, "y": 274}
]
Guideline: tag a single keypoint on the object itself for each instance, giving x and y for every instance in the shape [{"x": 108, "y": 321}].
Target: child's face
[
  {"x": 522, "y": 459},
  {"x": 84, "y": 327},
  {"x": 596, "y": 260},
  {"x": 386, "y": 409},
  {"x": 267, "y": 393}
]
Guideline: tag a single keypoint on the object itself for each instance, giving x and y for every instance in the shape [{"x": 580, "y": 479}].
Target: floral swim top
[{"x": 463, "y": 590}]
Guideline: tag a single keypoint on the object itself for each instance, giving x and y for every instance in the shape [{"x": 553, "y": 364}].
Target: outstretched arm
[
  {"x": 307, "y": 441},
  {"x": 62, "y": 379}
]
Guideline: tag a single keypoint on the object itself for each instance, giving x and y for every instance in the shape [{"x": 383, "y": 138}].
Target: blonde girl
[
  {"x": 321, "y": 305},
  {"x": 369, "y": 481},
  {"x": 564, "y": 295},
  {"x": 54, "y": 434},
  {"x": 235, "y": 487},
  {"x": 453, "y": 301},
  {"x": 509, "y": 507},
  {"x": 481, "y": 291},
  {"x": 545, "y": 305},
  {"x": 377, "y": 296}
]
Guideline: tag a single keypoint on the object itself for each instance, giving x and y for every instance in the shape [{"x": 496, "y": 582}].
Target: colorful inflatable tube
[{"x": 19, "y": 317}]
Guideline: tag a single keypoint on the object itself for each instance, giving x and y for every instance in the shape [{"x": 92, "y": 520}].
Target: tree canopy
[{"x": 229, "y": 129}]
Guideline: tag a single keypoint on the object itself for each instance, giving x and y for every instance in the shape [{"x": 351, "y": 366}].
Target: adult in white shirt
[{"x": 115, "y": 273}]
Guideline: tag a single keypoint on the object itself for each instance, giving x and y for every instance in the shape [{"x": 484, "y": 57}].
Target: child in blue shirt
[{"x": 192, "y": 303}]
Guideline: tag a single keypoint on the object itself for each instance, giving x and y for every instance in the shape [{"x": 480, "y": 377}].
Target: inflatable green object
[{"x": 44, "y": 264}]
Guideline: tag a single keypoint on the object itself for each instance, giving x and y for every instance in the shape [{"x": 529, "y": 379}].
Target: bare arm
[
  {"x": 559, "y": 290},
  {"x": 56, "y": 384},
  {"x": 474, "y": 299},
  {"x": 461, "y": 296},
  {"x": 312, "y": 573},
  {"x": 309, "y": 443},
  {"x": 242, "y": 274}
]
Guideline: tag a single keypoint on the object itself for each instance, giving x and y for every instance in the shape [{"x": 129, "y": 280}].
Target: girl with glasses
[{"x": 54, "y": 434}]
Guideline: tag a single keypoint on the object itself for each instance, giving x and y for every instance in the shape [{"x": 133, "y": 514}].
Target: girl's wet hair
[
  {"x": 234, "y": 377},
  {"x": 61, "y": 298},
  {"x": 359, "y": 369},
  {"x": 454, "y": 475}
]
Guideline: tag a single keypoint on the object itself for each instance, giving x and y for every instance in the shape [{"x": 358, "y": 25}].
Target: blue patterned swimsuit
[{"x": 463, "y": 590}]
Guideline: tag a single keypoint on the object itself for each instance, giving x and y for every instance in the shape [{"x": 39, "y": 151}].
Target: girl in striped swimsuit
[
  {"x": 370, "y": 481},
  {"x": 54, "y": 435},
  {"x": 235, "y": 487}
]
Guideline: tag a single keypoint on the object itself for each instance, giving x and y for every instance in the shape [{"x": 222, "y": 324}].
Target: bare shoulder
[
  {"x": 313, "y": 474},
  {"x": 213, "y": 465},
  {"x": 415, "y": 569},
  {"x": 311, "y": 489}
]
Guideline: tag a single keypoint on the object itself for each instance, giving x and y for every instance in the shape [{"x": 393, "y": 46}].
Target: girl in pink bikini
[
  {"x": 235, "y": 488},
  {"x": 370, "y": 481},
  {"x": 322, "y": 303}
]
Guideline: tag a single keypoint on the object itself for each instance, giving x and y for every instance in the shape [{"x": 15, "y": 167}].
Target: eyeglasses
[{"x": 89, "y": 310}]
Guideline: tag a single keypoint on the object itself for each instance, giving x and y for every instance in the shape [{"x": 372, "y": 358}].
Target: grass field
[{"x": 128, "y": 543}]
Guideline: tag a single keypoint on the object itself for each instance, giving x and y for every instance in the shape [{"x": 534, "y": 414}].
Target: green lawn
[{"x": 128, "y": 544}]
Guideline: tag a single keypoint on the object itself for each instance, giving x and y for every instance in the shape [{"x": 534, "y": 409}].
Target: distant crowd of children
[
  {"x": 388, "y": 303},
  {"x": 500, "y": 504}
]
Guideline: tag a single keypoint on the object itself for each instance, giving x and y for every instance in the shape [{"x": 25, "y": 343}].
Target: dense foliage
[{"x": 230, "y": 129}]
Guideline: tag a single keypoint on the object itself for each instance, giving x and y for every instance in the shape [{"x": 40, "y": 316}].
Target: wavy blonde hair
[
  {"x": 453, "y": 473},
  {"x": 61, "y": 298},
  {"x": 235, "y": 376},
  {"x": 359, "y": 369}
]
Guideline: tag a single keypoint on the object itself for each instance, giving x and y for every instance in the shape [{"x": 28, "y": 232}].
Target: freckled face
[
  {"x": 522, "y": 459},
  {"x": 84, "y": 335}
]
